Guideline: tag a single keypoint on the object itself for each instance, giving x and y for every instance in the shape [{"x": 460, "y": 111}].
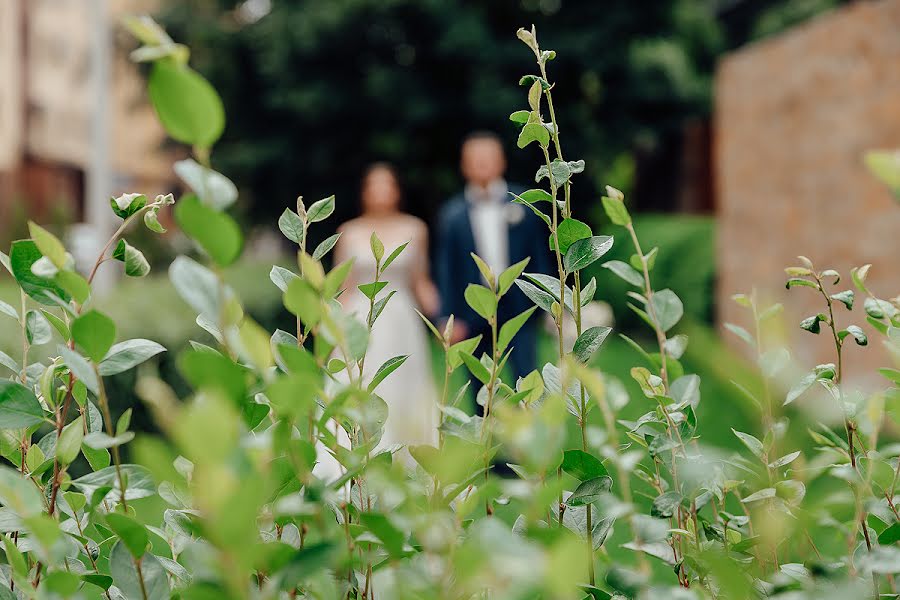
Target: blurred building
[
  {"x": 793, "y": 116},
  {"x": 75, "y": 126}
]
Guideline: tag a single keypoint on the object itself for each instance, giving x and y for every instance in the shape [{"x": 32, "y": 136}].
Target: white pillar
[{"x": 97, "y": 214}]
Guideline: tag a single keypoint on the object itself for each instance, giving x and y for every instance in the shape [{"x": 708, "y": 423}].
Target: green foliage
[
  {"x": 631, "y": 74},
  {"x": 230, "y": 500}
]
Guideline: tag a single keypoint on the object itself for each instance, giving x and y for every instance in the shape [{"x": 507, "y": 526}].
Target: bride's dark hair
[{"x": 382, "y": 165}]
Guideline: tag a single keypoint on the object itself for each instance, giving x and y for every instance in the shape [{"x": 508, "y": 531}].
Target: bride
[{"x": 410, "y": 391}]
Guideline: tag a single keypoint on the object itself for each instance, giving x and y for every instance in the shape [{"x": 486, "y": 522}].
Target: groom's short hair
[{"x": 482, "y": 135}]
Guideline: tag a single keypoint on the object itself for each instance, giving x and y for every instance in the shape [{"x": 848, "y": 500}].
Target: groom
[{"x": 482, "y": 220}]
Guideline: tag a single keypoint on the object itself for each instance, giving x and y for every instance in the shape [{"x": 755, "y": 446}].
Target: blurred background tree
[{"x": 317, "y": 89}]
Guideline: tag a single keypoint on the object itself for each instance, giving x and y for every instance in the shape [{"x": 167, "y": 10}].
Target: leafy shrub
[
  {"x": 227, "y": 502},
  {"x": 685, "y": 262}
]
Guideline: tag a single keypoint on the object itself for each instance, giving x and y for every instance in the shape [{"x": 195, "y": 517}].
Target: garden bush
[{"x": 226, "y": 503}]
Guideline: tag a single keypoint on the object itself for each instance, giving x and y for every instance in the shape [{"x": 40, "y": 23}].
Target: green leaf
[
  {"x": 291, "y": 225},
  {"x": 519, "y": 200},
  {"x": 665, "y": 505},
  {"x": 382, "y": 528},
  {"x": 892, "y": 375},
  {"x": 94, "y": 333},
  {"x": 139, "y": 483},
  {"x": 22, "y": 255},
  {"x": 378, "y": 308},
  {"x": 58, "y": 324},
  {"x": 98, "y": 440},
  {"x": 37, "y": 329},
  {"x": 584, "y": 252},
  {"x": 128, "y": 354},
  {"x": 127, "y": 204},
  {"x": 858, "y": 335},
  {"x": 811, "y": 324},
  {"x": 668, "y": 308},
  {"x": 801, "y": 386},
  {"x": 589, "y": 342},
  {"x": 651, "y": 385},
  {"x": 48, "y": 244},
  {"x": 133, "y": 534},
  {"x": 616, "y": 211},
  {"x": 80, "y": 368},
  {"x": 136, "y": 264},
  {"x": 858, "y": 275},
  {"x": 569, "y": 232},
  {"x": 541, "y": 298},
  {"x": 388, "y": 367},
  {"x": 485, "y": 270},
  {"x": 889, "y": 536},
  {"x": 884, "y": 165},
  {"x": 282, "y": 277},
  {"x": 370, "y": 290},
  {"x": 457, "y": 350},
  {"x": 377, "y": 247},
  {"x": 214, "y": 371},
  {"x": 393, "y": 255},
  {"x": 7, "y": 361},
  {"x": 509, "y": 329},
  {"x": 326, "y": 246},
  {"x": 254, "y": 347},
  {"x": 214, "y": 189},
  {"x": 562, "y": 171},
  {"x": 845, "y": 297},
  {"x": 475, "y": 367},
  {"x": 536, "y": 195},
  {"x": 625, "y": 271},
  {"x": 187, "y": 105},
  {"x": 19, "y": 494},
  {"x": 589, "y": 491},
  {"x": 534, "y": 97},
  {"x": 199, "y": 287},
  {"x": 741, "y": 333},
  {"x": 74, "y": 285},
  {"x": 151, "y": 221},
  {"x": 752, "y": 443},
  {"x": 520, "y": 117},
  {"x": 302, "y": 300},
  {"x": 588, "y": 291},
  {"x": 509, "y": 276},
  {"x": 481, "y": 300},
  {"x": 69, "y": 443},
  {"x": 19, "y": 407},
  {"x": 796, "y": 281},
  {"x": 533, "y": 132},
  {"x": 321, "y": 210},
  {"x": 8, "y": 310},
  {"x": 216, "y": 232},
  {"x": 123, "y": 568},
  {"x": 784, "y": 460},
  {"x": 581, "y": 465},
  {"x": 104, "y": 582}
]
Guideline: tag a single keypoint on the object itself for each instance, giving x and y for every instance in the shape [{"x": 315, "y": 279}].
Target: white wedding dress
[{"x": 409, "y": 392}]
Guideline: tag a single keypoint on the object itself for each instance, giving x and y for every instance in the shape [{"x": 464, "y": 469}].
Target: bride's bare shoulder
[
  {"x": 352, "y": 226},
  {"x": 414, "y": 225}
]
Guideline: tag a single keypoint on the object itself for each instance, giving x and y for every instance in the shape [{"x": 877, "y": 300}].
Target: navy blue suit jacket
[{"x": 455, "y": 270}]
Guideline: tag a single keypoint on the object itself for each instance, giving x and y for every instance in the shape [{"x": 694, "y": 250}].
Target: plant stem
[
  {"x": 140, "y": 574},
  {"x": 25, "y": 344}
]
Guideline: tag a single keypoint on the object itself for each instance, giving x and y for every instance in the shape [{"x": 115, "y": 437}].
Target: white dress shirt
[{"x": 490, "y": 228}]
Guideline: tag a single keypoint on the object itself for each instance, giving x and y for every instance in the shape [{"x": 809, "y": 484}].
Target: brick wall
[{"x": 793, "y": 116}]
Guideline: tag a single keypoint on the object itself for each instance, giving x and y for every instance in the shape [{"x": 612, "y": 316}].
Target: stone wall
[{"x": 793, "y": 116}]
